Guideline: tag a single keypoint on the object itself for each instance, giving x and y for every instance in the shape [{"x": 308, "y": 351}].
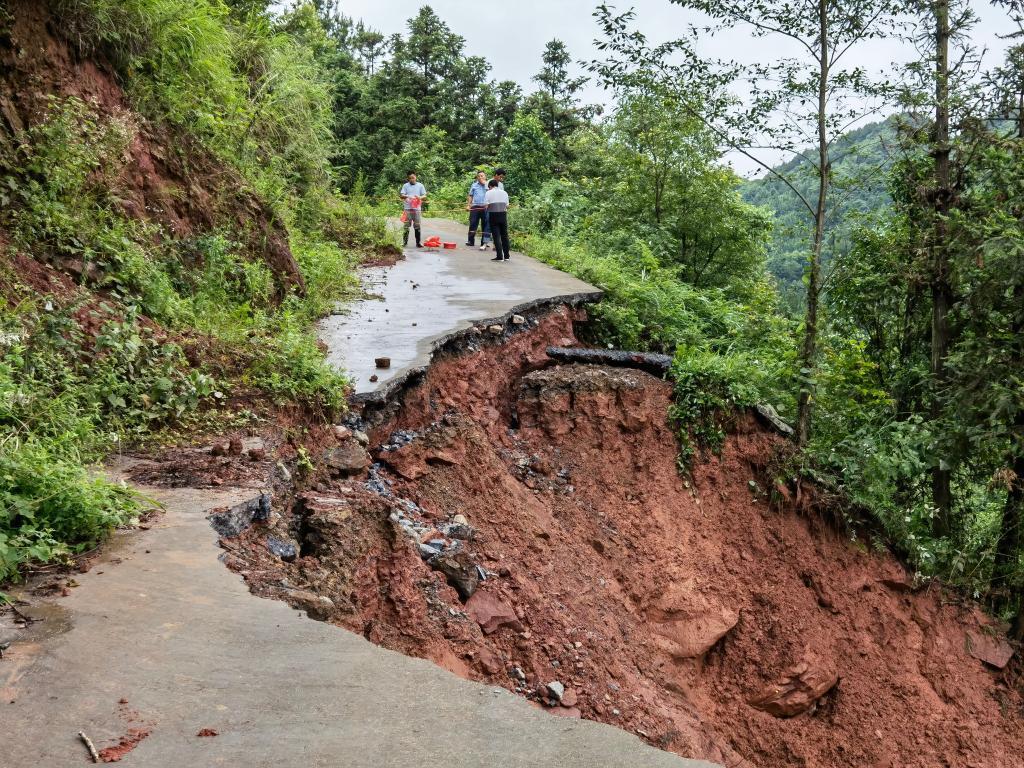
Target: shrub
[{"x": 710, "y": 388}]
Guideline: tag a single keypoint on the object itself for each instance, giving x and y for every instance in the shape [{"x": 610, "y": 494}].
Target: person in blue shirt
[
  {"x": 478, "y": 212},
  {"x": 413, "y": 196}
]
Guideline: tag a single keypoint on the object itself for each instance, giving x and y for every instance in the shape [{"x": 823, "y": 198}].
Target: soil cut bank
[{"x": 525, "y": 524}]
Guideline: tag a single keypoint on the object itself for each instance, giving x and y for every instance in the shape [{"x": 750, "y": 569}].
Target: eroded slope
[{"x": 527, "y": 525}]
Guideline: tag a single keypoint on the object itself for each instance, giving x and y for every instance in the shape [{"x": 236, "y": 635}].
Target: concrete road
[
  {"x": 427, "y": 296},
  {"x": 164, "y": 626}
]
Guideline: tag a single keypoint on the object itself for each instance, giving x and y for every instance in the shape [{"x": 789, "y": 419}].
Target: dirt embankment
[
  {"x": 527, "y": 525},
  {"x": 167, "y": 179}
]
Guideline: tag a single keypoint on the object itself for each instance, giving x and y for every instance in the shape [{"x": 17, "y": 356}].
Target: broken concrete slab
[
  {"x": 230, "y": 522},
  {"x": 281, "y": 691}
]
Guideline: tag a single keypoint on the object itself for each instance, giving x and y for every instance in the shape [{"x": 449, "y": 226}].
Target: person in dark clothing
[{"x": 497, "y": 213}]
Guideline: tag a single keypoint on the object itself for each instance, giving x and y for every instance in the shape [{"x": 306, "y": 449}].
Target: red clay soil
[
  {"x": 691, "y": 612},
  {"x": 166, "y": 179},
  {"x": 132, "y": 737},
  {"x": 126, "y": 744}
]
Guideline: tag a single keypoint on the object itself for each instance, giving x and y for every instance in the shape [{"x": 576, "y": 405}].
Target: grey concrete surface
[
  {"x": 162, "y": 624},
  {"x": 427, "y": 296}
]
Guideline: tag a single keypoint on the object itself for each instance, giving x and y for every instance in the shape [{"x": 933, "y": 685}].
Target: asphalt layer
[{"x": 429, "y": 295}]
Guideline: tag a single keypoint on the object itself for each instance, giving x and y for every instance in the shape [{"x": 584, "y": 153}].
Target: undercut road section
[
  {"x": 430, "y": 294},
  {"x": 161, "y": 642}
]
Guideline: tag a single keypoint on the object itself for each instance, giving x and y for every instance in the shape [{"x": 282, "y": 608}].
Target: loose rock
[
  {"x": 689, "y": 624},
  {"x": 459, "y": 570},
  {"x": 316, "y": 606},
  {"x": 286, "y": 550},
  {"x": 348, "y": 459},
  {"x": 382, "y": 362},
  {"x": 800, "y": 687},
  {"x": 556, "y": 690},
  {"x": 992, "y": 650},
  {"x": 492, "y": 613}
]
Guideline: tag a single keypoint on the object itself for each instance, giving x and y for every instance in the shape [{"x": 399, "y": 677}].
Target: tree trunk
[
  {"x": 942, "y": 294},
  {"x": 809, "y": 349},
  {"x": 1010, "y": 539},
  {"x": 905, "y": 396}
]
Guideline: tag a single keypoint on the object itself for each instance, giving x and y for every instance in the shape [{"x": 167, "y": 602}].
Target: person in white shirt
[
  {"x": 413, "y": 196},
  {"x": 497, "y": 211}
]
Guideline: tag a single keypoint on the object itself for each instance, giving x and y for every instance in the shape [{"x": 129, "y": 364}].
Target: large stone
[
  {"x": 492, "y": 613},
  {"x": 232, "y": 521},
  {"x": 798, "y": 689},
  {"x": 349, "y": 458},
  {"x": 687, "y": 624},
  {"x": 992, "y": 650},
  {"x": 406, "y": 461},
  {"x": 286, "y": 550},
  {"x": 459, "y": 570}
]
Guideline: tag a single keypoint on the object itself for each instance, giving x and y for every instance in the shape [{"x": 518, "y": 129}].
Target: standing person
[
  {"x": 413, "y": 195},
  {"x": 497, "y": 210},
  {"x": 499, "y": 176},
  {"x": 475, "y": 203}
]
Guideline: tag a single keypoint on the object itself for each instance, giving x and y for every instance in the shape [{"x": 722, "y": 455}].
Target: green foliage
[
  {"x": 556, "y": 104},
  {"x": 428, "y": 153},
  {"x": 647, "y": 308},
  {"x": 710, "y": 389},
  {"x": 396, "y": 94},
  {"x": 527, "y": 154},
  {"x": 247, "y": 90},
  {"x": 860, "y": 169},
  {"x": 66, "y": 399},
  {"x": 80, "y": 375}
]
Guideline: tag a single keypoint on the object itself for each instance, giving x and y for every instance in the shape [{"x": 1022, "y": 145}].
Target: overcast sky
[{"x": 511, "y": 34}]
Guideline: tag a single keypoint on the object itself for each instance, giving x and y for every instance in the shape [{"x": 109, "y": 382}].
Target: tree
[
  {"x": 527, "y": 154},
  {"x": 949, "y": 92},
  {"x": 665, "y": 183},
  {"x": 370, "y": 45},
  {"x": 811, "y": 97},
  {"x": 556, "y": 104},
  {"x": 817, "y": 97},
  {"x": 429, "y": 55}
]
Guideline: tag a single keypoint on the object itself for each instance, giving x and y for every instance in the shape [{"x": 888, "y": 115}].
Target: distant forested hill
[{"x": 860, "y": 165}]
